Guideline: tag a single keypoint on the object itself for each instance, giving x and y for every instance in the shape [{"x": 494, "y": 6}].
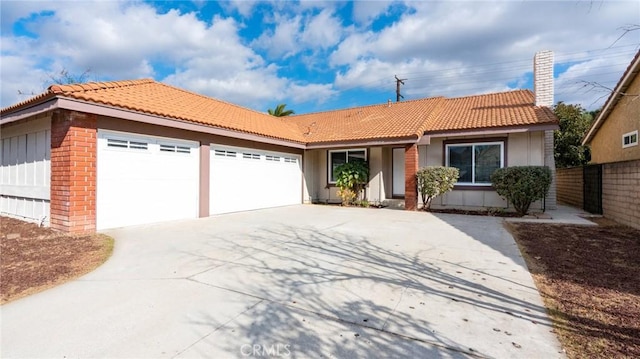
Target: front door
[{"x": 398, "y": 172}]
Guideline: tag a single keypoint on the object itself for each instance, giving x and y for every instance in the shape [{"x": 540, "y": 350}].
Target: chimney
[
  {"x": 543, "y": 90},
  {"x": 543, "y": 78}
]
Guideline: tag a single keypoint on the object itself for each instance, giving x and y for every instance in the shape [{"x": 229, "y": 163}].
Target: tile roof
[
  {"x": 504, "y": 109},
  {"x": 395, "y": 120},
  {"x": 403, "y": 120},
  {"x": 155, "y": 98}
]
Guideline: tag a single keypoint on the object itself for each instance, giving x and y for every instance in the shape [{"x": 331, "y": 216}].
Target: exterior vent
[{"x": 251, "y": 156}]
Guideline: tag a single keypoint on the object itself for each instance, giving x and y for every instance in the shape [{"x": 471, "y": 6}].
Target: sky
[{"x": 320, "y": 55}]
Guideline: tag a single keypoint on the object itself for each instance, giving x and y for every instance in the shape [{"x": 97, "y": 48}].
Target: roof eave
[
  {"x": 29, "y": 109},
  {"x": 489, "y": 131},
  {"x": 363, "y": 142}
]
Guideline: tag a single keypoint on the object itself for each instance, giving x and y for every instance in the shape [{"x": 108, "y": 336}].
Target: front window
[
  {"x": 336, "y": 158},
  {"x": 476, "y": 161}
]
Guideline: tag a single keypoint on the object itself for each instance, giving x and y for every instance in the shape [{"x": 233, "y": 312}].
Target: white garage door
[
  {"x": 245, "y": 179},
  {"x": 143, "y": 179}
]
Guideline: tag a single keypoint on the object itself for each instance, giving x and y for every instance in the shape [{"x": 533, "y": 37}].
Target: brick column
[
  {"x": 410, "y": 169},
  {"x": 73, "y": 171}
]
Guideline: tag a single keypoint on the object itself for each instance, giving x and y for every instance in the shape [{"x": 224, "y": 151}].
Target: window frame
[
  {"x": 346, "y": 151},
  {"x": 502, "y": 142},
  {"x": 630, "y": 135}
]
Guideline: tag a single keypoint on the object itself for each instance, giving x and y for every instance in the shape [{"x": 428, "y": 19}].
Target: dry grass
[
  {"x": 33, "y": 259},
  {"x": 589, "y": 280}
]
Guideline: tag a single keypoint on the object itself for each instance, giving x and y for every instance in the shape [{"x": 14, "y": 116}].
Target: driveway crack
[
  {"x": 394, "y": 308},
  {"x": 218, "y": 328}
]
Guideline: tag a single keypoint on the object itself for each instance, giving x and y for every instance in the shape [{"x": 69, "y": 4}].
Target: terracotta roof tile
[
  {"x": 404, "y": 120},
  {"x": 504, "y": 109},
  {"x": 398, "y": 120},
  {"x": 155, "y": 98}
]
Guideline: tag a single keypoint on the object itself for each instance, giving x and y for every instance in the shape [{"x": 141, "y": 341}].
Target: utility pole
[{"x": 398, "y": 82}]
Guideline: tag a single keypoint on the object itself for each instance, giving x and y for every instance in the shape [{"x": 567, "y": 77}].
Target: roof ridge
[
  {"x": 92, "y": 86},
  {"x": 489, "y": 94},
  {"x": 365, "y": 106}
]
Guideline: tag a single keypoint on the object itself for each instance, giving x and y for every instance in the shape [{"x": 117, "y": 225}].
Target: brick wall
[
  {"x": 569, "y": 185},
  {"x": 621, "y": 192},
  {"x": 410, "y": 169},
  {"x": 73, "y": 171}
]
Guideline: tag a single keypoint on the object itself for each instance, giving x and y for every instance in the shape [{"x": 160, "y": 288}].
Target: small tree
[
  {"x": 521, "y": 185},
  {"x": 351, "y": 177},
  {"x": 434, "y": 181},
  {"x": 574, "y": 124}
]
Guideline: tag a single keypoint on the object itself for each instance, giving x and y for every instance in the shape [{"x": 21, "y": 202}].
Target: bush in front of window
[
  {"x": 351, "y": 178},
  {"x": 522, "y": 185},
  {"x": 435, "y": 180}
]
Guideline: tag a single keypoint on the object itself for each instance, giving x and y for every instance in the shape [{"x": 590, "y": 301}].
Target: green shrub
[
  {"x": 522, "y": 185},
  {"x": 351, "y": 178},
  {"x": 435, "y": 180}
]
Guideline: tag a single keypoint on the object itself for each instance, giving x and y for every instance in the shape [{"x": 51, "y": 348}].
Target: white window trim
[
  {"x": 473, "y": 159},
  {"x": 630, "y": 134},
  {"x": 329, "y": 168}
]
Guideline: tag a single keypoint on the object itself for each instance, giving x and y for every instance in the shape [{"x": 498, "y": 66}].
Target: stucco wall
[
  {"x": 526, "y": 148},
  {"x": 569, "y": 183},
  {"x": 316, "y": 179},
  {"x": 606, "y": 145},
  {"x": 522, "y": 149}
]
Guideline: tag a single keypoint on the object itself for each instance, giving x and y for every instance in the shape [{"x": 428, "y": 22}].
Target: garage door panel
[
  {"x": 145, "y": 179},
  {"x": 245, "y": 179}
]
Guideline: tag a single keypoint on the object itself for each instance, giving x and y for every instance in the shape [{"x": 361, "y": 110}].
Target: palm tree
[{"x": 280, "y": 111}]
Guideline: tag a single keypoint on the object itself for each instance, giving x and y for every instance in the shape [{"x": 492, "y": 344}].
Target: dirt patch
[
  {"x": 33, "y": 258},
  {"x": 588, "y": 279}
]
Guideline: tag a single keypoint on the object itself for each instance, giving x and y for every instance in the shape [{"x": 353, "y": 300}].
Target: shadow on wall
[{"x": 307, "y": 276}]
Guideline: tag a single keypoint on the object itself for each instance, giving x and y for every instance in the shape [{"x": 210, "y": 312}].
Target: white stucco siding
[
  {"x": 525, "y": 149},
  {"x": 316, "y": 176},
  {"x": 376, "y": 188},
  {"x": 25, "y": 170},
  {"x": 522, "y": 149}
]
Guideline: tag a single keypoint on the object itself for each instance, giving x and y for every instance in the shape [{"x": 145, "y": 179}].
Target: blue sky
[{"x": 320, "y": 55}]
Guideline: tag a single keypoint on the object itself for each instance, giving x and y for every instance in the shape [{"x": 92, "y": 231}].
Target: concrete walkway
[
  {"x": 562, "y": 215},
  {"x": 300, "y": 281}
]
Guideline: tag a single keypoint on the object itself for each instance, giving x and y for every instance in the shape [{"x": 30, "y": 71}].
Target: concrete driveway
[{"x": 298, "y": 282}]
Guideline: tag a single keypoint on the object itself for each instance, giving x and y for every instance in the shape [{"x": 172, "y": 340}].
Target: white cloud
[
  {"x": 310, "y": 92},
  {"x": 364, "y": 12},
  {"x": 322, "y": 31},
  {"x": 243, "y": 7},
  {"x": 126, "y": 40},
  {"x": 283, "y": 41},
  {"x": 443, "y": 48}
]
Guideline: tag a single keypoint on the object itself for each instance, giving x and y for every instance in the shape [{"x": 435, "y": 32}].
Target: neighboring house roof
[
  {"x": 401, "y": 121},
  {"x": 618, "y": 92}
]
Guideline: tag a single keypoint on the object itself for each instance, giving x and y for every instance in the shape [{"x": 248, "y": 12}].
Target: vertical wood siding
[{"x": 25, "y": 171}]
